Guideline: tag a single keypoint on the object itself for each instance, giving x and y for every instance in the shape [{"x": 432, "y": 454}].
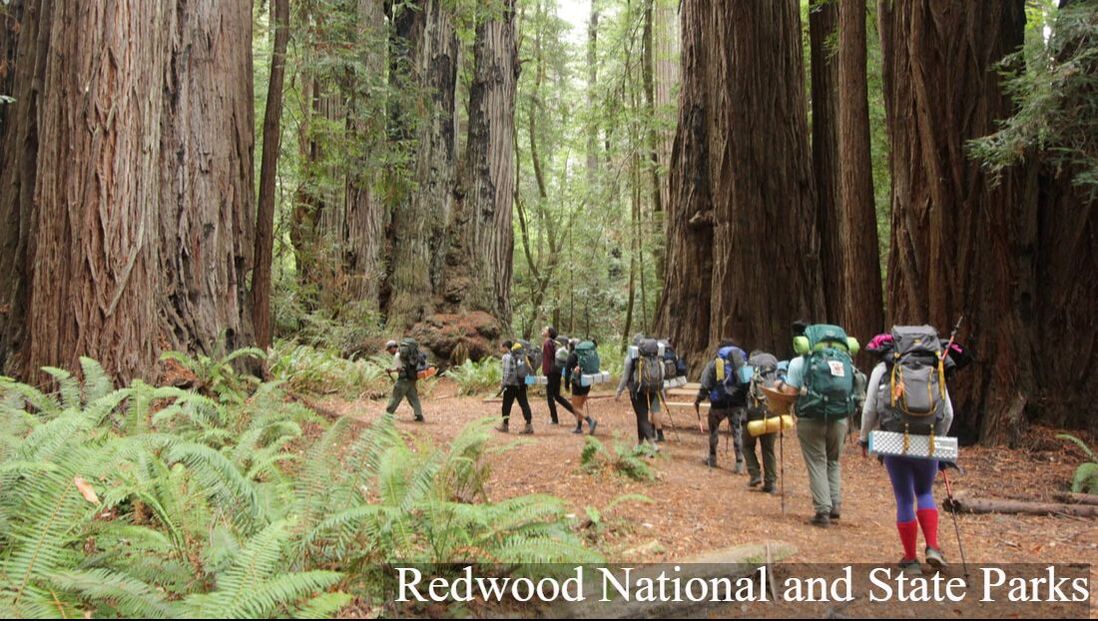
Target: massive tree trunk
[
  {"x": 25, "y": 43},
  {"x": 428, "y": 45},
  {"x": 665, "y": 46},
  {"x": 823, "y": 23},
  {"x": 960, "y": 245},
  {"x": 766, "y": 272},
  {"x": 684, "y": 311},
  {"x": 272, "y": 133},
  {"x": 862, "y": 302},
  {"x": 479, "y": 268},
  {"x": 140, "y": 228}
]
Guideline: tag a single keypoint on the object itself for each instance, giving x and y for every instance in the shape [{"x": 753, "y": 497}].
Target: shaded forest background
[{"x": 209, "y": 176}]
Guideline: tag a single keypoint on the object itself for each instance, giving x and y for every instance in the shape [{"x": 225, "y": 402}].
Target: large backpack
[
  {"x": 560, "y": 358},
  {"x": 828, "y": 387},
  {"x": 764, "y": 373},
  {"x": 523, "y": 358},
  {"x": 727, "y": 365},
  {"x": 587, "y": 358},
  {"x": 648, "y": 369},
  {"x": 411, "y": 359},
  {"x": 916, "y": 388},
  {"x": 673, "y": 366}
]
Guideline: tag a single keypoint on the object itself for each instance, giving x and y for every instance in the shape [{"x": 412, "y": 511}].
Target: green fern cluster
[
  {"x": 475, "y": 378},
  {"x": 159, "y": 502},
  {"x": 628, "y": 461},
  {"x": 1086, "y": 474},
  {"x": 309, "y": 370}
]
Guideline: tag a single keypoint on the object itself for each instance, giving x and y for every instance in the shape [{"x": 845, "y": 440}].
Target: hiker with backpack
[
  {"x": 822, "y": 375},
  {"x": 516, "y": 367},
  {"x": 907, "y": 394},
  {"x": 552, "y": 365},
  {"x": 721, "y": 383},
  {"x": 643, "y": 377},
  {"x": 583, "y": 359},
  {"x": 407, "y": 360},
  {"x": 764, "y": 373}
]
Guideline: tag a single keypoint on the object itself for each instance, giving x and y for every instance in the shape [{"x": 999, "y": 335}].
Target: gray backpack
[
  {"x": 913, "y": 389},
  {"x": 648, "y": 370}
]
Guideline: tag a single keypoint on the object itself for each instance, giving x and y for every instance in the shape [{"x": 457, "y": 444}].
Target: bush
[
  {"x": 1086, "y": 475},
  {"x": 161, "y": 502},
  {"x": 308, "y": 370},
  {"x": 628, "y": 461},
  {"x": 474, "y": 378}
]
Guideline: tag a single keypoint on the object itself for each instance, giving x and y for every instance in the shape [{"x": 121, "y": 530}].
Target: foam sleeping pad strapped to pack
[
  {"x": 909, "y": 445},
  {"x": 590, "y": 379}
]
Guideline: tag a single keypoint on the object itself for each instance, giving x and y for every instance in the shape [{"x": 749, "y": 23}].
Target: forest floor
[{"x": 696, "y": 509}]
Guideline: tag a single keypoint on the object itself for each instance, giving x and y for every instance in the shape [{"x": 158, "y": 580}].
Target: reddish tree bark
[{"x": 960, "y": 244}]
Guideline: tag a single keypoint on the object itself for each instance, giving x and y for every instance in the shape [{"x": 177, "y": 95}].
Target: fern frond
[
  {"x": 280, "y": 592},
  {"x": 325, "y": 606},
  {"x": 127, "y": 596}
]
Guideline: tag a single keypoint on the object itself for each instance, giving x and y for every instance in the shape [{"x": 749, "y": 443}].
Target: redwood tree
[
  {"x": 960, "y": 245},
  {"x": 862, "y": 300},
  {"x": 478, "y": 275},
  {"x": 134, "y": 185}
]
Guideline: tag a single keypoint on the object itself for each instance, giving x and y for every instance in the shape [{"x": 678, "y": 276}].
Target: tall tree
[
  {"x": 139, "y": 237},
  {"x": 481, "y": 235},
  {"x": 862, "y": 300},
  {"x": 823, "y": 24},
  {"x": 272, "y": 133},
  {"x": 960, "y": 245},
  {"x": 426, "y": 50},
  {"x": 759, "y": 158}
]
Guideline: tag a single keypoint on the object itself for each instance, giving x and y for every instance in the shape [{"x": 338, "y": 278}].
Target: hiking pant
[
  {"x": 769, "y": 470},
  {"x": 405, "y": 389},
  {"x": 912, "y": 484},
  {"x": 552, "y": 395},
  {"x": 821, "y": 445},
  {"x": 510, "y": 395},
  {"x": 643, "y": 403},
  {"x": 735, "y": 423}
]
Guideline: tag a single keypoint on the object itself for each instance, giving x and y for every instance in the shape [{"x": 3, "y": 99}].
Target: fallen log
[
  {"x": 1077, "y": 499},
  {"x": 994, "y": 505}
]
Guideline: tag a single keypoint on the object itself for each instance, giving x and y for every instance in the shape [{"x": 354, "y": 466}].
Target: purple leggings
[{"x": 912, "y": 482}]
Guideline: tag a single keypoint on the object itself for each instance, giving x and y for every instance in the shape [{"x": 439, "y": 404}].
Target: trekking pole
[
  {"x": 697, "y": 411},
  {"x": 952, "y": 336},
  {"x": 953, "y": 513},
  {"x": 663, "y": 403},
  {"x": 781, "y": 459}
]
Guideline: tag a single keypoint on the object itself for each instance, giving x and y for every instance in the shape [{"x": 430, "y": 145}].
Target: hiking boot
[
  {"x": 659, "y": 435},
  {"x": 578, "y": 429},
  {"x": 910, "y": 567},
  {"x": 554, "y": 422},
  {"x": 711, "y": 461},
  {"x": 821, "y": 520},
  {"x": 740, "y": 468},
  {"x": 756, "y": 480},
  {"x": 504, "y": 428},
  {"x": 419, "y": 419},
  {"x": 934, "y": 558},
  {"x": 770, "y": 489},
  {"x": 592, "y": 424},
  {"x": 528, "y": 429},
  {"x": 834, "y": 515}
]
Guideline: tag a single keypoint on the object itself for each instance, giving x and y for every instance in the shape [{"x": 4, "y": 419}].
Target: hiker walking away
[
  {"x": 406, "y": 362},
  {"x": 516, "y": 367},
  {"x": 643, "y": 377},
  {"x": 764, "y": 370},
  {"x": 721, "y": 383},
  {"x": 581, "y": 355},
  {"x": 553, "y": 373},
  {"x": 822, "y": 375},
  {"x": 907, "y": 394}
]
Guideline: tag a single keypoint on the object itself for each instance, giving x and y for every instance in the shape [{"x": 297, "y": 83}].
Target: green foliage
[
  {"x": 1086, "y": 475},
  {"x": 310, "y": 370},
  {"x": 219, "y": 376},
  {"x": 158, "y": 502},
  {"x": 1054, "y": 84},
  {"x": 477, "y": 378},
  {"x": 599, "y": 522},
  {"x": 628, "y": 461}
]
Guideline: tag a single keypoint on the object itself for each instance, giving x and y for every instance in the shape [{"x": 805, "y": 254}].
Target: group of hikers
[{"x": 904, "y": 406}]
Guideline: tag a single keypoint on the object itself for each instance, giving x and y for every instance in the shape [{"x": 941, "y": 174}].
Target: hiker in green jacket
[{"x": 406, "y": 372}]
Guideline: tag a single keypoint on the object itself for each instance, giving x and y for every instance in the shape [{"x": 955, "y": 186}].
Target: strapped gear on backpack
[
  {"x": 525, "y": 361},
  {"x": 916, "y": 387},
  {"x": 412, "y": 361},
  {"x": 827, "y": 392},
  {"x": 673, "y": 366},
  {"x": 560, "y": 358},
  {"x": 729, "y": 383},
  {"x": 648, "y": 368}
]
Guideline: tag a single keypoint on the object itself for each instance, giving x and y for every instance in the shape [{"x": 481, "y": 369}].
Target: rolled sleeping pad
[
  {"x": 428, "y": 372},
  {"x": 769, "y": 425},
  {"x": 601, "y": 377},
  {"x": 674, "y": 382},
  {"x": 893, "y": 443}
]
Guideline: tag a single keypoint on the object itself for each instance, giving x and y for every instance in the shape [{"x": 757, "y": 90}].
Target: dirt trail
[{"x": 696, "y": 508}]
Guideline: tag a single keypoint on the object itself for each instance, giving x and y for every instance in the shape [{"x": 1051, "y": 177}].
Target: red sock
[
  {"x": 909, "y": 535},
  {"x": 928, "y": 519}
]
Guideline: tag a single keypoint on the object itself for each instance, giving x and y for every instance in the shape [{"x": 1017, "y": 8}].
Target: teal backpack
[
  {"x": 828, "y": 386},
  {"x": 587, "y": 357}
]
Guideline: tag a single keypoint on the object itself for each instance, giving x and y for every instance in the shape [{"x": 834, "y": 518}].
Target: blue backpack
[{"x": 727, "y": 365}]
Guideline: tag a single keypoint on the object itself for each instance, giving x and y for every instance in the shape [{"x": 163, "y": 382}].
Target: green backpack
[
  {"x": 587, "y": 357},
  {"x": 828, "y": 374}
]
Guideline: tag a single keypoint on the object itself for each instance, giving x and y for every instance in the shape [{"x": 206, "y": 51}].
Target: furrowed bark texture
[{"x": 960, "y": 244}]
